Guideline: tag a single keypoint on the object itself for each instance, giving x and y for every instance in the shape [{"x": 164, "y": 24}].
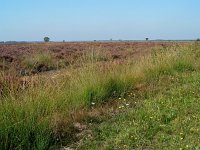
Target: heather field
[
  {"x": 100, "y": 95},
  {"x": 34, "y": 58}
]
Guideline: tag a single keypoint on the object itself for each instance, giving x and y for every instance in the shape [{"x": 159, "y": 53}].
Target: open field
[
  {"x": 29, "y": 59},
  {"x": 123, "y": 95}
]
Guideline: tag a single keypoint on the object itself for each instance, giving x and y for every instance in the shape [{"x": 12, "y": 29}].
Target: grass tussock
[
  {"x": 37, "y": 117},
  {"x": 40, "y": 61}
]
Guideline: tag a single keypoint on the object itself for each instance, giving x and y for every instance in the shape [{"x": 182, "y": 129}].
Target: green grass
[
  {"x": 40, "y": 57},
  {"x": 166, "y": 116},
  {"x": 40, "y": 61},
  {"x": 40, "y": 116}
]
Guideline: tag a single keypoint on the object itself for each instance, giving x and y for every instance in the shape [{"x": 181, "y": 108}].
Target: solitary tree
[
  {"x": 147, "y": 39},
  {"x": 46, "y": 39},
  {"x": 198, "y": 40}
]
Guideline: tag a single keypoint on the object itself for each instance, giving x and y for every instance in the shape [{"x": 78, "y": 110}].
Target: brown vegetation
[{"x": 35, "y": 58}]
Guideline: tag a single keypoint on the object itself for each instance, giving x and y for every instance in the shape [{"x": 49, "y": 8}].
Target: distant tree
[
  {"x": 147, "y": 39},
  {"x": 63, "y": 41},
  {"x": 46, "y": 39},
  {"x": 198, "y": 40}
]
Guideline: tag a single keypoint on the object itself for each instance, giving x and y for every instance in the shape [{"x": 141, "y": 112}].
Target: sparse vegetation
[{"x": 161, "y": 112}]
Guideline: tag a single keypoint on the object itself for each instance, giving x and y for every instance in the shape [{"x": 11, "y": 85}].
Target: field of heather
[
  {"x": 28, "y": 59},
  {"x": 100, "y": 95}
]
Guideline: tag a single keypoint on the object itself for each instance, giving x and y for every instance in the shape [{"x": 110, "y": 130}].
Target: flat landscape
[
  {"x": 100, "y": 95},
  {"x": 99, "y": 75},
  {"x": 28, "y": 59}
]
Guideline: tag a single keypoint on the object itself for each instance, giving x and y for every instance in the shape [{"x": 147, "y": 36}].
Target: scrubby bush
[{"x": 46, "y": 39}]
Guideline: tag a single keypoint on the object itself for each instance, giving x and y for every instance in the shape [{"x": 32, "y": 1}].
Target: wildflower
[
  {"x": 120, "y": 107},
  {"x": 125, "y": 145},
  {"x": 127, "y": 104},
  {"x": 93, "y": 103},
  {"x": 181, "y": 148},
  {"x": 151, "y": 117},
  {"x": 181, "y": 133},
  {"x": 120, "y": 98},
  {"x": 187, "y": 146},
  {"x": 181, "y": 138}
]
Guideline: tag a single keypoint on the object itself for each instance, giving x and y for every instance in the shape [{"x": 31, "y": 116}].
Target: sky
[{"x": 77, "y": 20}]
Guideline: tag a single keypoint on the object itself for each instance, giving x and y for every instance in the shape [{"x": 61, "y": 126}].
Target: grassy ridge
[{"x": 36, "y": 117}]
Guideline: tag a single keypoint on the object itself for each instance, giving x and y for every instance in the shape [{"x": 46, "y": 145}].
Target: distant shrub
[{"x": 46, "y": 39}]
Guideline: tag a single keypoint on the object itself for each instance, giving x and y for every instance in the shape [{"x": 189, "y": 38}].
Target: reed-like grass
[{"x": 38, "y": 115}]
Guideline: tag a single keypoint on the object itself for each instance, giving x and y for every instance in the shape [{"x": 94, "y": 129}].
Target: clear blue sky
[{"x": 31, "y": 20}]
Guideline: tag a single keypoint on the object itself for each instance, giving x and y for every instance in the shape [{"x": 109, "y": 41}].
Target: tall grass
[
  {"x": 40, "y": 57},
  {"x": 36, "y": 117},
  {"x": 40, "y": 61}
]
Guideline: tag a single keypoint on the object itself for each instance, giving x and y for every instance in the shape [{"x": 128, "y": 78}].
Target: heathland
[{"x": 100, "y": 95}]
